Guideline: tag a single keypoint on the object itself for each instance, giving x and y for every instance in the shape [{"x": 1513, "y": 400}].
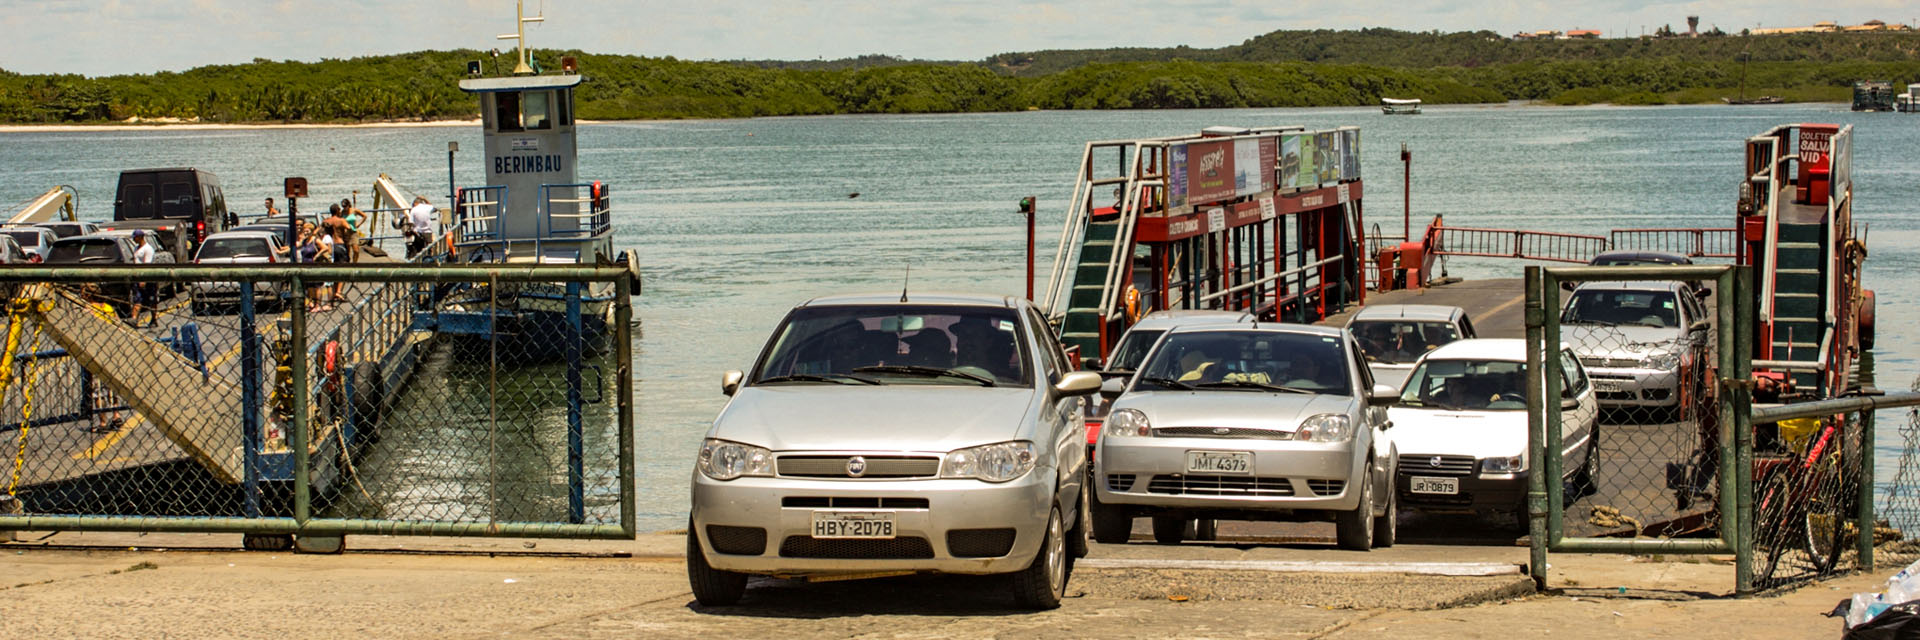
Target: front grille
[
  {"x": 1610, "y": 363},
  {"x": 895, "y": 549},
  {"x": 1429, "y": 465},
  {"x": 1221, "y": 432},
  {"x": 877, "y": 466},
  {"x": 1617, "y": 395},
  {"x": 823, "y": 502},
  {"x": 739, "y": 541},
  {"x": 1326, "y": 487},
  {"x": 1119, "y": 481},
  {"x": 1192, "y": 485},
  {"x": 980, "y": 543}
]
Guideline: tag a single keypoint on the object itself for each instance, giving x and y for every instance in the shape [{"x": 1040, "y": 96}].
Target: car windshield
[
  {"x": 898, "y": 344},
  {"x": 1133, "y": 348},
  {"x": 1622, "y": 307},
  {"x": 28, "y": 239},
  {"x": 96, "y": 250},
  {"x": 1401, "y": 341},
  {"x": 234, "y": 248},
  {"x": 1459, "y": 385},
  {"x": 1246, "y": 360}
]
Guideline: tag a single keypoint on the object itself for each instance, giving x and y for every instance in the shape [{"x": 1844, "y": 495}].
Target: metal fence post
[
  {"x": 623, "y": 319},
  {"x": 297, "y": 361},
  {"x": 1537, "y": 513},
  {"x": 1740, "y": 405},
  {"x": 576, "y": 476},
  {"x": 1867, "y": 523},
  {"x": 249, "y": 402},
  {"x": 1553, "y": 425}
]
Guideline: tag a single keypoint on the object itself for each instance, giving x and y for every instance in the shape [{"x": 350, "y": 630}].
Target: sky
[{"x": 105, "y": 37}]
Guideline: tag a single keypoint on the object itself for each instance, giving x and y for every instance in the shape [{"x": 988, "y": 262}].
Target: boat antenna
[
  {"x": 904, "y": 281},
  {"x": 519, "y": 36}
]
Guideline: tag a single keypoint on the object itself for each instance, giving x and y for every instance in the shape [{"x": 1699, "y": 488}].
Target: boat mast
[{"x": 520, "y": 36}]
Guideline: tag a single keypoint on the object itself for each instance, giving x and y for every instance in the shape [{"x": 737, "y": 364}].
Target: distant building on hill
[
  {"x": 1583, "y": 34},
  {"x": 1829, "y": 26}
]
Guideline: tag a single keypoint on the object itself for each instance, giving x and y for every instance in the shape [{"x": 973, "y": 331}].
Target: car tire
[
  {"x": 712, "y": 587},
  {"x": 1354, "y": 529},
  {"x": 1386, "y": 530},
  {"x": 1583, "y": 484},
  {"x": 1169, "y": 529},
  {"x": 1077, "y": 543},
  {"x": 1043, "y": 583},
  {"x": 1111, "y": 523}
]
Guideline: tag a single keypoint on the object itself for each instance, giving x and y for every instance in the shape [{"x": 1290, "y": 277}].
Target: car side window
[
  {"x": 1360, "y": 365},
  {"x": 1573, "y": 379},
  {"x": 1052, "y": 361},
  {"x": 1466, "y": 329}
]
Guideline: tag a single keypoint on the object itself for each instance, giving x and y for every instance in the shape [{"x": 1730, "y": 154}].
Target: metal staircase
[
  {"x": 1092, "y": 265},
  {"x": 1803, "y": 317}
]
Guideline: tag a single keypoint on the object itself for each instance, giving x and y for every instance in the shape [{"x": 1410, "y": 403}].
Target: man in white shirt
[
  {"x": 144, "y": 293},
  {"x": 426, "y": 226}
]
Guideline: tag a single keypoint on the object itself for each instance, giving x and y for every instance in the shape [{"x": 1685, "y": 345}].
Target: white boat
[{"x": 1396, "y": 106}]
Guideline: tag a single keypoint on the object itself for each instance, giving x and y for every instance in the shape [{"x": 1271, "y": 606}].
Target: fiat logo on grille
[
  {"x": 1221, "y": 431},
  {"x": 1433, "y": 462},
  {"x": 856, "y": 466}
]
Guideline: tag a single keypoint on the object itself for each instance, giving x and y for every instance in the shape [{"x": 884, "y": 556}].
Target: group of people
[{"x": 336, "y": 239}]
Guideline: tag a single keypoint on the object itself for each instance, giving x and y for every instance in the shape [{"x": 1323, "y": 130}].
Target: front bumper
[
  {"x": 1021, "y": 505},
  {"x": 1285, "y": 475},
  {"x": 1635, "y": 387},
  {"x": 230, "y": 291},
  {"x": 1477, "y": 492}
]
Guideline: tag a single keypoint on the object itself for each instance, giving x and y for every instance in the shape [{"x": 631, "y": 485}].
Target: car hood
[
  {"x": 1249, "y": 409},
  {"x": 874, "y": 418},
  {"x": 1481, "y": 434},
  {"x": 1621, "y": 342}
]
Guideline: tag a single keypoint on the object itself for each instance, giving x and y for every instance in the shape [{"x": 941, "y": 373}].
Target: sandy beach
[{"x": 209, "y": 126}]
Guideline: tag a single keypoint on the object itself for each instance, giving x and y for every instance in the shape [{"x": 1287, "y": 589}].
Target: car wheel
[
  {"x": 1387, "y": 529},
  {"x": 1583, "y": 484},
  {"x": 1077, "y": 543},
  {"x": 1043, "y": 583},
  {"x": 712, "y": 587},
  {"x": 1111, "y": 523},
  {"x": 1169, "y": 529},
  {"x": 1354, "y": 529}
]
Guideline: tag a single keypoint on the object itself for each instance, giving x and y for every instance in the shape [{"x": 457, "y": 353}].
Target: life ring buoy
[
  {"x": 1133, "y": 304},
  {"x": 330, "y": 357}
]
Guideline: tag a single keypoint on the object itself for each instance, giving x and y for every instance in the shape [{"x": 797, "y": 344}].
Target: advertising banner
[
  {"x": 1289, "y": 162},
  {"x": 1253, "y": 165},
  {"x": 1177, "y": 177},
  {"x": 1350, "y": 155},
  {"x": 1328, "y": 160},
  {"x": 1209, "y": 171}
]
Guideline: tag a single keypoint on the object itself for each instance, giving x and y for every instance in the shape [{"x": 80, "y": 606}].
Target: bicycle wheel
[
  {"x": 1780, "y": 527},
  {"x": 1829, "y": 512}
]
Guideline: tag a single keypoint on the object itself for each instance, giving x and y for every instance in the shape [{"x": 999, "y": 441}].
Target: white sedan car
[{"x": 1461, "y": 425}]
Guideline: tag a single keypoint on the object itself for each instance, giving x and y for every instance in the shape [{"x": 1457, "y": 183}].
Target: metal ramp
[
  {"x": 174, "y": 393},
  {"x": 1100, "y": 243},
  {"x": 1796, "y": 210},
  {"x": 55, "y": 204}
]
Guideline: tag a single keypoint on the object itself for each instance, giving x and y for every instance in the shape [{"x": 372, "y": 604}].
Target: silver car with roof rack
[{"x": 893, "y": 434}]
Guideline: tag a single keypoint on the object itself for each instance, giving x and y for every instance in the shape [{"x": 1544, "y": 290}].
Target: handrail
[
  {"x": 1772, "y": 242},
  {"x": 1120, "y": 262},
  {"x": 1288, "y": 273},
  {"x": 1820, "y": 408},
  {"x": 1076, "y": 214}
]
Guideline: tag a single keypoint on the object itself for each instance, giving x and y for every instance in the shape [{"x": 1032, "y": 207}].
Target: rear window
[
  {"x": 28, "y": 239},
  {"x": 177, "y": 200},
  {"x": 1133, "y": 348},
  {"x": 78, "y": 251},
  {"x": 64, "y": 230},
  {"x": 234, "y": 248},
  {"x": 1401, "y": 341}
]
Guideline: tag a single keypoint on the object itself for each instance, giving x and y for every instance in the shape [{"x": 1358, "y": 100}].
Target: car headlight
[
  {"x": 1127, "y": 422},
  {"x": 1662, "y": 360},
  {"x": 726, "y": 460},
  {"x": 998, "y": 462},
  {"x": 1509, "y": 464},
  {"x": 1326, "y": 427}
]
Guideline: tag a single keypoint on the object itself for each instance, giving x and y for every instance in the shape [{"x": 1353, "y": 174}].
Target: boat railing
[
  {"x": 1140, "y": 177},
  {"x": 1076, "y": 219},
  {"x": 568, "y": 215},
  {"x": 1515, "y": 243},
  {"x": 477, "y": 216},
  {"x": 1693, "y": 243}
]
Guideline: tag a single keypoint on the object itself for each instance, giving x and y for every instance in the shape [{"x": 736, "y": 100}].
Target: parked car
[
  {"x": 12, "y": 253},
  {"x": 103, "y": 249},
  {"x": 69, "y": 228},
  {"x": 1640, "y": 341},
  {"x": 1261, "y": 422},
  {"x": 881, "y": 434},
  {"x": 34, "y": 241},
  {"x": 1132, "y": 348},
  {"x": 183, "y": 205},
  {"x": 1637, "y": 258},
  {"x": 237, "y": 247},
  {"x": 1393, "y": 336},
  {"x": 1461, "y": 426}
]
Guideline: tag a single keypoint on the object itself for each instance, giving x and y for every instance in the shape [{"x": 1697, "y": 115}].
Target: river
[{"x": 737, "y": 220}]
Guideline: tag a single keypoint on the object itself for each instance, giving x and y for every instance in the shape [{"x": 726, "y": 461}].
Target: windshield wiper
[
  {"x": 1168, "y": 382},
  {"x": 838, "y": 378},
  {"x": 915, "y": 370},
  {"x": 1249, "y": 384}
]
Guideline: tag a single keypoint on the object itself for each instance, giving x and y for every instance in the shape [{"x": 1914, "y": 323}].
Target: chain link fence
[
  {"x": 1806, "y": 497},
  {"x": 1896, "y": 530},
  {"x": 318, "y": 400}
]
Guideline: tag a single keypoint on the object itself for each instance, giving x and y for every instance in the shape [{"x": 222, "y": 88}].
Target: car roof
[
  {"x": 1504, "y": 349},
  {"x": 1407, "y": 311},
  {"x": 261, "y": 234},
  {"x": 1178, "y": 317},
  {"x": 853, "y": 299},
  {"x": 1634, "y": 285},
  {"x": 1272, "y": 327},
  {"x": 104, "y": 235},
  {"x": 1644, "y": 256}
]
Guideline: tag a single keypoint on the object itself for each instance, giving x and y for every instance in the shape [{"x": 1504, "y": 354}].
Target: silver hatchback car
[
  {"x": 1253, "y": 422},
  {"x": 886, "y": 435}
]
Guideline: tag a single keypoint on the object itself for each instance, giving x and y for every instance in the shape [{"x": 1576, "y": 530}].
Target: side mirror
[
  {"x": 1569, "y": 404},
  {"x": 1112, "y": 388},
  {"x": 1078, "y": 383},
  {"x": 1383, "y": 395},
  {"x": 730, "y": 381}
]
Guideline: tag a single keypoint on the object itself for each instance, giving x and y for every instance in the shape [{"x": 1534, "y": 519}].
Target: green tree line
[{"x": 1281, "y": 69}]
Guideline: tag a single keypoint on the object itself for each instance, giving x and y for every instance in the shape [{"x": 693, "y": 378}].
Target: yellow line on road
[
  {"x": 1503, "y": 307},
  {"x": 107, "y": 441}
]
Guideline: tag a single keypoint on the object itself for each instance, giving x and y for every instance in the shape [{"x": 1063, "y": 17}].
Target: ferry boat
[
  {"x": 1398, "y": 106},
  {"x": 1908, "y": 102},
  {"x": 532, "y": 209}
]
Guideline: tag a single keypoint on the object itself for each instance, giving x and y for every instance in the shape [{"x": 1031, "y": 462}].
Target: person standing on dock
[
  {"x": 145, "y": 294},
  {"x": 426, "y": 226},
  {"x": 338, "y": 239},
  {"x": 271, "y": 211},
  {"x": 350, "y": 232}
]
